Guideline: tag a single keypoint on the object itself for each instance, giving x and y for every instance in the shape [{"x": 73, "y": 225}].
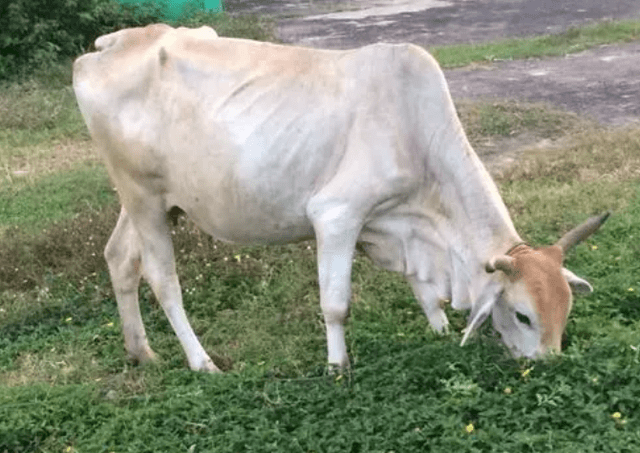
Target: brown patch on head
[{"x": 541, "y": 271}]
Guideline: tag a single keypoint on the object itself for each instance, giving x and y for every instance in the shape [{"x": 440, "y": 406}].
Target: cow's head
[{"x": 532, "y": 307}]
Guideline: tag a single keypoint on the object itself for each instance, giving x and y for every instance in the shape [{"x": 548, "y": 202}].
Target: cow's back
[{"x": 241, "y": 134}]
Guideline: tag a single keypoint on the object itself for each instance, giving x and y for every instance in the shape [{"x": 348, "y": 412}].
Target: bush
[{"x": 38, "y": 33}]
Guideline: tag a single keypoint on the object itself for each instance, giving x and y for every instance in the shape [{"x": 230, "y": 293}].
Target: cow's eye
[{"x": 524, "y": 319}]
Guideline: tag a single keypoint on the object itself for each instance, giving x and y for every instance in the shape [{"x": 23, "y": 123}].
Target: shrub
[{"x": 38, "y": 33}]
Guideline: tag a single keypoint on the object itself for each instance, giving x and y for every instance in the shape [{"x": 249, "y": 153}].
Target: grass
[
  {"x": 56, "y": 196},
  {"x": 66, "y": 384},
  {"x": 506, "y": 118},
  {"x": 235, "y": 26},
  {"x": 572, "y": 41},
  {"x": 383, "y": 407}
]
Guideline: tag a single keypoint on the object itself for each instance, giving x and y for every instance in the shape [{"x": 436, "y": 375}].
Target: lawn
[{"x": 66, "y": 384}]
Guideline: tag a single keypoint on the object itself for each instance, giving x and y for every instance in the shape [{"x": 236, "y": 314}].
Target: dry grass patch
[
  {"x": 503, "y": 132},
  {"x": 486, "y": 120},
  {"x": 550, "y": 191},
  {"x": 29, "y": 163},
  {"x": 610, "y": 155}
]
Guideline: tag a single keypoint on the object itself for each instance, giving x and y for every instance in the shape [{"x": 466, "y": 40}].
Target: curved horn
[
  {"x": 502, "y": 263},
  {"x": 581, "y": 232}
]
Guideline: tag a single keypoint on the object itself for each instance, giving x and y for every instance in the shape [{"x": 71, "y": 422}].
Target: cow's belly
[
  {"x": 235, "y": 205},
  {"x": 251, "y": 225}
]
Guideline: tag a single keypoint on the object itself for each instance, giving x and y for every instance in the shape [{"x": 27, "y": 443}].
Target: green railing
[{"x": 172, "y": 9}]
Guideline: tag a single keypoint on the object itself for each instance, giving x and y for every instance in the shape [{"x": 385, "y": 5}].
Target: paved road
[
  {"x": 603, "y": 83},
  {"x": 338, "y": 24}
]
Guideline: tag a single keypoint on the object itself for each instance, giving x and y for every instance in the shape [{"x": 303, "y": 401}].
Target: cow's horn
[
  {"x": 581, "y": 232},
  {"x": 502, "y": 263}
]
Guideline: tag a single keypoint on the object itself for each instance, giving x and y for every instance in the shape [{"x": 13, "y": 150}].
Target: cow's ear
[
  {"x": 476, "y": 319},
  {"x": 578, "y": 285}
]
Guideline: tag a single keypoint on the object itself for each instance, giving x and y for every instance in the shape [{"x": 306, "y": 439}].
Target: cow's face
[
  {"x": 532, "y": 306},
  {"x": 532, "y": 310}
]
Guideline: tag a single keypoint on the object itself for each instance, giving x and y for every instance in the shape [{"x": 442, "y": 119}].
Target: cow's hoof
[
  {"x": 439, "y": 322},
  {"x": 207, "y": 366},
  {"x": 336, "y": 369},
  {"x": 143, "y": 357}
]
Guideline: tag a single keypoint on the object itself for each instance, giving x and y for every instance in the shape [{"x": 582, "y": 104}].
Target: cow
[{"x": 260, "y": 143}]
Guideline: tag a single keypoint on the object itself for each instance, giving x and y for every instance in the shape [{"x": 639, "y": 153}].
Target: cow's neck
[
  {"x": 470, "y": 197},
  {"x": 474, "y": 219}
]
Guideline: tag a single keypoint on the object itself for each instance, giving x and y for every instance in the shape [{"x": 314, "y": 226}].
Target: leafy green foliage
[
  {"x": 39, "y": 34},
  {"x": 411, "y": 396}
]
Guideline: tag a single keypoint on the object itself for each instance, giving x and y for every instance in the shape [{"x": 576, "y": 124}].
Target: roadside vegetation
[
  {"x": 66, "y": 384},
  {"x": 573, "y": 40}
]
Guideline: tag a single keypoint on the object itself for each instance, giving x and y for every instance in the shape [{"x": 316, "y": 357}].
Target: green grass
[
  {"x": 235, "y": 26},
  {"x": 411, "y": 397},
  {"x": 68, "y": 385},
  {"x": 58, "y": 196},
  {"x": 572, "y": 41},
  {"x": 505, "y": 118}
]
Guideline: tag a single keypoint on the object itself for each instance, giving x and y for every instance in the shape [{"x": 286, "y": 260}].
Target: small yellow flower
[
  {"x": 69, "y": 320},
  {"x": 109, "y": 324},
  {"x": 631, "y": 290},
  {"x": 594, "y": 247},
  {"x": 526, "y": 372},
  {"x": 616, "y": 415},
  {"x": 469, "y": 428},
  {"x": 238, "y": 258},
  {"x": 507, "y": 391}
]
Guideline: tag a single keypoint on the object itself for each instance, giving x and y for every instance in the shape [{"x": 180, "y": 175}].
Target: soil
[{"x": 601, "y": 83}]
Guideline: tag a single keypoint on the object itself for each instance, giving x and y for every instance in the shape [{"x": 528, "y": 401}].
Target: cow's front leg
[
  {"x": 430, "y": 300},
  {"x": 337, "y": 230}
]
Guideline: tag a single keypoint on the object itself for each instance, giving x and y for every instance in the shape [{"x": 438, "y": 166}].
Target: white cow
[{"x": 263, "y": 143}]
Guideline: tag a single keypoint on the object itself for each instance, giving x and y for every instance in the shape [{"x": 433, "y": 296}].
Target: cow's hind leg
[
  {"x": 124, "y": 260},
  {"x": 155, "y": 249}
]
